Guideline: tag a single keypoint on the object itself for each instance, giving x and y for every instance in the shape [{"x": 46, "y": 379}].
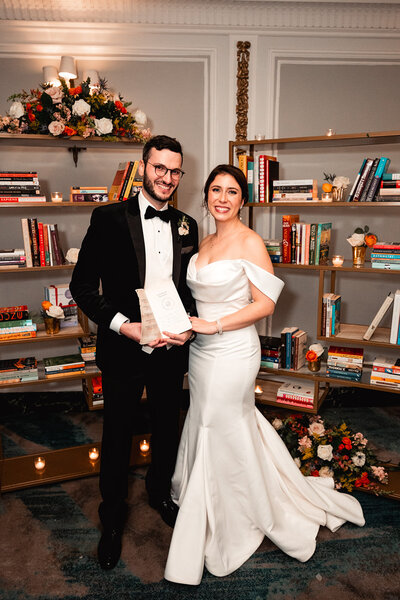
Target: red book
[
  {"x": 268, "y": 171},
  {"x": 46, "y": 244},
  {"x": 287, "y": 221},
  {"x": 4, "y": 309},
  {"x": 386, "y": 246},
  {"x": 41, "y": 245},
  {"x": 33, "y": 231}
]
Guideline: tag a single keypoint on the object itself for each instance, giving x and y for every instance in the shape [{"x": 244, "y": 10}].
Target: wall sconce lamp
[
  {"x": 93, "y": 76},
  {"x": 67, "y": 68}
]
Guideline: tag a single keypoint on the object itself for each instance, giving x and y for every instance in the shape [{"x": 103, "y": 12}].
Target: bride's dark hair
[{"x": 236, "y": 173}]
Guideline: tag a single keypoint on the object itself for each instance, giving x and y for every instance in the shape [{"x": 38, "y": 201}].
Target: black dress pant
[{"x": 162, "y": 373}]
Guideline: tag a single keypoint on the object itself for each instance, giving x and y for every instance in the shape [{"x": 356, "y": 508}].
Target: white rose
[
  {"x": 277, "y": 424},
  {"x": 72, "y": 255},
  {"x": 55, "y": 311},
  {"x": 55, "y": 94},
  {"x": 325, "y": 472},
  {"x": 140, "y": 117},
  {"x": 359, "y": 459},
  {"x": 341, "y": 182},
  {"x": 325, "y": 452},
  {"x": 103, "y": 126},
  {"x": 80, "y": 107},
  {"x": 316, "y": 428},
  {"x": 16, "y": 110},
  {"x": 357, "y": 239},
  {"x": 183, "y": 231},
  {"x": 297, "y": 461},
  {"x": 56, "y": 127}
]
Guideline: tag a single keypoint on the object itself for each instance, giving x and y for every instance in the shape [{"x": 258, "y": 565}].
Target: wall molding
[{"x": 357, "y": 15}]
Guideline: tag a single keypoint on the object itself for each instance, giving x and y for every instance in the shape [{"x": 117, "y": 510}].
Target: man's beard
[{"x": 149, "y": 188}]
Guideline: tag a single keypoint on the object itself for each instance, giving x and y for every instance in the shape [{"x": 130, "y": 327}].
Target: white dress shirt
[{"x": 159, "y": 253}]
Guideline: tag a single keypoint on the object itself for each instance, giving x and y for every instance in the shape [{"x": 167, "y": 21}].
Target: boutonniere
[{"x": 183, "y": 226}]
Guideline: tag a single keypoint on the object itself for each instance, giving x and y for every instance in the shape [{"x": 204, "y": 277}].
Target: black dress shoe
[
  {"x": 109, "y": 549},
  {"x": 167, "y": 509}
]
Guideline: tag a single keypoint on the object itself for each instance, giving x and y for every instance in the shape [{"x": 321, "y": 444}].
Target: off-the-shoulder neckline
[{"x": 194, "y": 258}]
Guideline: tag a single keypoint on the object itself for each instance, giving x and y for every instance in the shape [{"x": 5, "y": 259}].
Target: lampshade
[
  {"x": 50, "y": 76},
  {"x": 94, "y": 77},
  {"x": 67, "y": 68}
]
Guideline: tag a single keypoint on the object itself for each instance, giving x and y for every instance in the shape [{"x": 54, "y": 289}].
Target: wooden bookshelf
[{"x": 350, "y": 334}]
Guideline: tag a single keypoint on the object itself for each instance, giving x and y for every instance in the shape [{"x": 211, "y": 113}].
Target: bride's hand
[{"x": 203, "y": 326}]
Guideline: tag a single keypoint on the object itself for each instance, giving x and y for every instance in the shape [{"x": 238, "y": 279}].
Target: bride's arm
[{"x": 254, "y": 251}]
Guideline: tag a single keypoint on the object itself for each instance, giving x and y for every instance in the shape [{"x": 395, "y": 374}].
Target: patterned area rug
[{"x": 49, "y": 534}]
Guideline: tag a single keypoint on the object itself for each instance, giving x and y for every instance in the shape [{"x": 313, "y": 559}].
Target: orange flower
[
  {"x": 75, "y": 91},
  {"x": 118, "y": 104},
  {"x": 370, "y": 239},
  {"x": 39, "y": 108},
  {"x": 31, "y": 116},
  {"x": 46, "y": 304},
  {"x": 311, "y": 356},
  {"x": 69, "y": 130}
]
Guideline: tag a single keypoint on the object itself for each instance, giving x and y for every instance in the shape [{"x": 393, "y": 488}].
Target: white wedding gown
[{"x": 235, "y": 481}]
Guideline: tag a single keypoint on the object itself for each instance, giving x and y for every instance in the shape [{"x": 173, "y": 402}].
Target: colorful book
[
  {"x": 287, "y": 222},
  {"x": 386, "y": 304},
  {"x": 322, "y": 243},
  {"x": 268, "y": 171},
  {"x": 373, "y": 189},
  {"x": 394, "y": 328}
]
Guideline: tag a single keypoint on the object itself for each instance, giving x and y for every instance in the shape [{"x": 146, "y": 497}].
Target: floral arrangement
[
  {"x": 315, "y": 351},
  {"x": 72, "y": 255},
  {"x": 322, "y": 450},
  {"x": 82, "y": 111},
  {"x": 50, "y": 310},
  {"x": 362, "y": 237}
]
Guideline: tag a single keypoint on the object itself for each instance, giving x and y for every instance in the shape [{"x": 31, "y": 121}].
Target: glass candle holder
[
  {"x": 56, "y": 197},
  {"x": 144, "y": 446},
  {"x": 337, "y": 260},
  {"x": 94, "y": 454},
  {"x": 327, "y": 197}
]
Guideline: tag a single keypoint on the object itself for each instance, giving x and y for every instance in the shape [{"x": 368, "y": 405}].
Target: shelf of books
[{"x": 268, "y": 392}]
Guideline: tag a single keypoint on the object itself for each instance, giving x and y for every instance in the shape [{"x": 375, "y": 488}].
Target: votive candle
[
  {"x": 40, "y": 464},
  {"x": 337, "y": 260}
]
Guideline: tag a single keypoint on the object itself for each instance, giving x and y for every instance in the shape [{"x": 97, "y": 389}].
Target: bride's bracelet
[{"x": 219, "y": 327}]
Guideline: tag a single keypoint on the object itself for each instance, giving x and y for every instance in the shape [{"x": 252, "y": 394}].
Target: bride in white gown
[{"x": 235, "y": 482}]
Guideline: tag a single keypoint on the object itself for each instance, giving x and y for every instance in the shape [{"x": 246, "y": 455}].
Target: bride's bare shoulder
[{"x": 254, "y": 250}]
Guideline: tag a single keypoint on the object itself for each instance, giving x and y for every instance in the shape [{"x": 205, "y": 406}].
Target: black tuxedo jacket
[{"x": 113, "y": 256}]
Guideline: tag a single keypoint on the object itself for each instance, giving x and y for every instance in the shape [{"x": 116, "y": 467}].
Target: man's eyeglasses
[{"x": 162, "y": 170}]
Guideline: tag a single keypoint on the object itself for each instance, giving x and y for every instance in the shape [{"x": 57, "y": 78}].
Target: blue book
[
  {"x": 376, "y": 180},
  {"x": 386, "y": 265},
  {"x": 250, "y": 179}
]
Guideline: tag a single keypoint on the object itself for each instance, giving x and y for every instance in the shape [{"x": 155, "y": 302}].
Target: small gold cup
[{"x": 52, "y": 325}]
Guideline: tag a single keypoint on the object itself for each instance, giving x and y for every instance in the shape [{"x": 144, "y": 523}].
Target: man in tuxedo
[{"x": 131, "y": 245}]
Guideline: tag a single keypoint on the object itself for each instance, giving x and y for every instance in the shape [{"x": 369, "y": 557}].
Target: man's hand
[
  {"x": 178, "y": 339},
  {"x": 134, "y": 332}
]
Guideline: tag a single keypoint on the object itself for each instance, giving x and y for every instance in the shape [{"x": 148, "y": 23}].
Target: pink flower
[
  {"x": 305, "y": 442},
  {"x": 56, "y": 128},
  {"x": 316, "y": 428},
  {"x": 55, "y": 94},
  {"x": 358, "y": 437}
]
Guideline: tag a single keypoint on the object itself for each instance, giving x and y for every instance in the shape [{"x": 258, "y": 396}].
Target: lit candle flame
[
  {"x": 258, "y": 390},
  {"x": 94, "y": 454},
  {"x": 40, "y": 463},
  {"x": 144, "y": 446}
]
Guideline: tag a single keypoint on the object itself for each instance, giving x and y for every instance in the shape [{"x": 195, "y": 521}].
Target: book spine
[
  {"x": 15, "y": 323},
  {"x": 4, "y": 331},
  {"x": 262, "y": 160},
  {"x": 317, "y": 243},
  {"x": 22, "y": 199},
  {"x": 369, "y": 179},
  {"x": 250, "y": 178},
  {"x": 395, "y": 318},
  {"x": 46, "y": 245},
  {"x": 18, "y": 336},
  {"x": 125, "y": 180},
  {"x": 287, "y": 221},
  {"x": 62, "y": 258},
  {"x": 375, "y": 184},
  {"x": 51, "y": 251},
  {"x": 55, "y": 247},
  {"x": 313, "y": 236},
  {"x": 288, "y": 349},
  {"x": 41, "y": 245},
  {"x": 33, "y": 229},
  {"x": 386, "y": 265},
  {"x": 130, "y": 181},
  {"x": 363, "y": 179}
]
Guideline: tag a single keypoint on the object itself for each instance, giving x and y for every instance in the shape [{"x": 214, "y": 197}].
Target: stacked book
[
  {"x": 274, "y": 248},
  {"x": 367, "y": 184},
  {"x": 126, "y": 183},
  {"x": 345, "y": 363},
  {"x": 389, "y": 190},
  {"x": 260, "y": 175},
  {"x": 12, "y": 258},
  {"x": 295, "y": 394},
  {"x": 16, "y": 370},
  {"x": 293, "y": 341},
  {"x": 87, "y": 348},
  {"x": 331, "y": 304},
  {"x": 295, "y": 190},
  {"x": 386, "y": 373},
  {"x": 19, "y": 187},
  {"x": 15, "y": 323},
  {"x": 93, "y": 390},
  {"x": 88, "y": 194},
  {"x": 386, "y": 255},
  {"x": 271, "y": 351},
  {"x": 57, "y": 366},
  {"x": 305, "y": 243},
  {"x": 60, "y": 295},
  {"x": 41, "y": 243}
]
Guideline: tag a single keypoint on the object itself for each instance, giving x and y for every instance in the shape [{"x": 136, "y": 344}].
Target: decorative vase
[
  {"x": 314, "y": 365},
  {"x": 52, "y": 325},
  {"x": 359, "y": 255},
  {"x": 337, "y": 194}
]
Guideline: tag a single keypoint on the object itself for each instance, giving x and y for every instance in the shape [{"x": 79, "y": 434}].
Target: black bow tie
[{"x": 161, "y": 214}]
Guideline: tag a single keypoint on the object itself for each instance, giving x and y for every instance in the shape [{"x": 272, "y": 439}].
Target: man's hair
[{"x": 161, "y": 142}]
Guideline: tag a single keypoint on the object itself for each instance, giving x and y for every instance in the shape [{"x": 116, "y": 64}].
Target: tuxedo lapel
[
  {"x": 136, "y": 231},
  {"x": 177, "y": 248}
]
